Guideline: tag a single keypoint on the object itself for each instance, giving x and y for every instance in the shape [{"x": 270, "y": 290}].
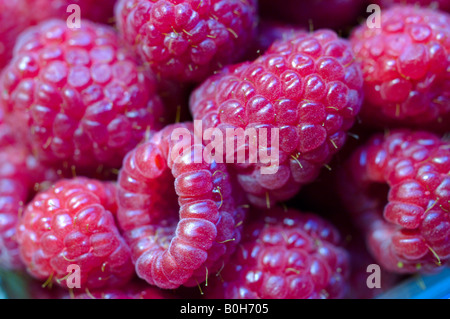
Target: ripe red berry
[
  {"x": 130, "y": 291},
  {"x": 398, "y": 189},
  {"x": 81, "y": 97},
  {"x": 177, "y": 210},
  {"x": 307, "y": 88},
  {"x": 13, "y": 20},
  {"x": 443, "y": 5},
  {"x": 405, "y": 66},
  {"x": 72, "y": 223},
  {"x": 21, "y": 175},
  {"x": 285, "y": 255},
  {"x": 190, "y": 39},
  {"x": 94, "y": 10}
]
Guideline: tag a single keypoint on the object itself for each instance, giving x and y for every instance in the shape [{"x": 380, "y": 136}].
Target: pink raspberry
[
  {"x": 405, "y": 66},
  {"x": 190, "y": 39},
  {"x": 177, "y": 210},
  {"x": 336, "y": 14},
  {"x": 73, "y": 223},
  {"x": 130, "y": 291},
  {"x": 94, "y": 10},
  {"x": 13, "y": 20},
  {"x": 443, "y": 5},
  {"x": 17, "y": 15},
  {"x": 398, "y": 189},
  {"x": 307, "y": 87},
  {"x": 82, "y": 99},
  {"x": 286, "y": 255},
  {"x": 20, "y": 176},
  {"x": 360, "y": 259}
]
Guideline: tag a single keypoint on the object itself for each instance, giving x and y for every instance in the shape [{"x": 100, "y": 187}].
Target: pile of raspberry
[{"x": 222, "y": 149}]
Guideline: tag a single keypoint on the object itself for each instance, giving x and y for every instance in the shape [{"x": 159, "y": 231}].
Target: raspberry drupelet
[
  {"x": 397, "y": 188},
  {"x": 177, "y": 210},
  {"x": 80, "y": 97},
  {"x": 305, "y": 87},
  {"x": 73, "y": 222},
  {"x": 187, "y": 40},
  {"x": 285, "y": 254},
  {"x": 405, "y": 65}
]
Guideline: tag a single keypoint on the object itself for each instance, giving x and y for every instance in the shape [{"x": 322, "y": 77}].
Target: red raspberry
[
  {"x": 360, "y": 259},
  {"x": 177, "y": 244},
  {"x": 443, "y": 5},
  {"x": 315, "y": 14},
  {"x": 187, "y": 40},
  {"x": 286, "y": 255},
  {"x": 405, "y": 65},
  {"x": 130, "y": 291},
  {"x": 20, "y": 176},
  {"x": 17, "y": 15},
  {"x": 95, "y": 10},
  {"x": 407, "y": 230},
  {"x": 13, "y": 20},
  {"x": 307, "y": 87},
  {"x": 73, "y": 223},
  {"x": 81, "y": 97}
]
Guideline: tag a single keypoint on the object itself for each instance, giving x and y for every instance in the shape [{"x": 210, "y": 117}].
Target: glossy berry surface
[
  {"x": 286, "y": 255},
  {"x": 405, "y": 64},
  {"x": 177, "y": 244},
  {"x": 307, "y": 88},
  {"x": 187, "y": 40},
  {"x": 73, "y": 223},
  {"x": 81, "y": 97},
  {"x": 398, "y": 189}
]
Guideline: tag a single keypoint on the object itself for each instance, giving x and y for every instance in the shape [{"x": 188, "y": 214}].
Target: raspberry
[
  {"x": 73, "y": 223},
  {"x": 443, "y": 5},
  {"x": 11, "y": 28},
  {"x": 335, "y": 14},
  {"x": 95, "y": 10},
  {"x": 177, "y": 244},
  {"x": 82, "y": 99},
  {"x": 307, "y": 87},
  {"x": 30, "y": 12},
  {"x": 407, "y": 230},
  {"x": 405, "y": 66},
  {"x": 130, "y": 291},
  {"x": 187, "y": 40},
  {"x": 286, "y": 255},
  {"x": 20, "y": 175},
  {"x": 360, "y": 259}
]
